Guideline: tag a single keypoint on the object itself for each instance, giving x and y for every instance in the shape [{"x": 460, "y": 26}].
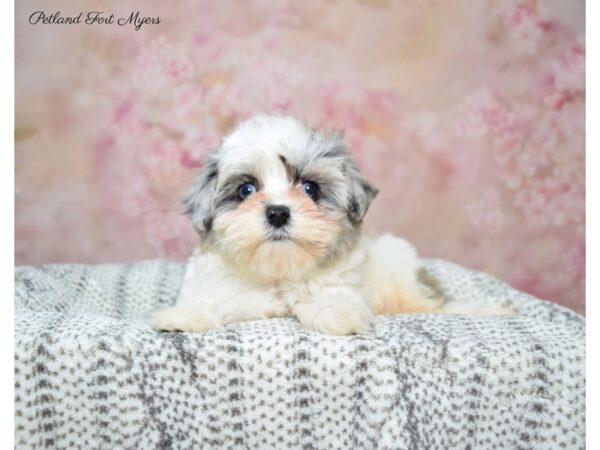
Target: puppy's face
[{"x": 279, "y": 200}]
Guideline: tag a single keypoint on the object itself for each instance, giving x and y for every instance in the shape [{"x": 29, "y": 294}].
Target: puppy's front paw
[
  {"x": 179, "y": 318},
  {"x": 342, "y": 321},
  {"x": 336, "y": 318}
]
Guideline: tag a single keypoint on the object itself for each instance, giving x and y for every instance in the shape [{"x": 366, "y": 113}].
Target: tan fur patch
[{"x": 243, "y": 236}]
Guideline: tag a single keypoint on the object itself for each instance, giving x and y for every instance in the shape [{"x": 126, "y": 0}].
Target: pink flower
[
  {"x": 480, "y": 112},
  {"x": 161, "y": 65},
  {"x": 486, "y": 214},
  {"x": 569, "y": 69},
  {"x": 525, "y": 24}
]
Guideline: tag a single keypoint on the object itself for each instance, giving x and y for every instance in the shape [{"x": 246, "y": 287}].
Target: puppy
[{"x": 279, "y": 208}]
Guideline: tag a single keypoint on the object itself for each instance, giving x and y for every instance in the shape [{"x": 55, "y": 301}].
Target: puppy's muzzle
[{"x": 278, "y": 216}]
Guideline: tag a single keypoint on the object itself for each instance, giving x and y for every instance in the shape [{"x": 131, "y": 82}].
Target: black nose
[{"x": 278, "y": 215}]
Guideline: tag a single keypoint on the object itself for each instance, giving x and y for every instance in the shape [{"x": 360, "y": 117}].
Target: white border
[{"x": 7, "y": 222}]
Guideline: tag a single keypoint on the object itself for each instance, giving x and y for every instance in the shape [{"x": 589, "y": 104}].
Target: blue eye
[
  {"x": 245, "y": 190},
  {"x": 312, "y": 189}
]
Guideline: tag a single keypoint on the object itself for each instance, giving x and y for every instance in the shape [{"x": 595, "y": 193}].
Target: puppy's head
[{"x": 279, "y": 200}]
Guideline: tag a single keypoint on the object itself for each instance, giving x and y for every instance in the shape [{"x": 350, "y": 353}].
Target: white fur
[
  {"x": 323, "y": 273},
  {"x": 333, "y": 301}
]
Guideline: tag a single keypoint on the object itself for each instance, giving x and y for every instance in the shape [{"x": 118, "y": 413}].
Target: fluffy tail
[
  {"x": 393, "y": 278},
  {"x": 397, "y": 283}
]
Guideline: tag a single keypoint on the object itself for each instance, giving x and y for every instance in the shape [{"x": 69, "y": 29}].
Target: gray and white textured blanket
[{"x": 91, "y": 374}]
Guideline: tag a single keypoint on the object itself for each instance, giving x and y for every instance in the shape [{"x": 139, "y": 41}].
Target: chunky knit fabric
[{"x": 91, "y": 374}]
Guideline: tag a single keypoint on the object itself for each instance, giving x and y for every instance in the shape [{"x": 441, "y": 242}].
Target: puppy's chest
[
  {"x": 209, "y": 284},
  {"x": 281, "y": 298},
  {"x": 279, "y": 302}
]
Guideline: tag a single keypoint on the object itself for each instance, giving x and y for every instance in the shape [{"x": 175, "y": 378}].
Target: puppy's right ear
[
  {"x": 199, "y": 201},
  {"x": 362, "y": 193}
]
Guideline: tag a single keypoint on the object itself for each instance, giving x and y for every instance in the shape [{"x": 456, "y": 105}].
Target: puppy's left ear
[
  {"x": 361, "y": 193},
  {"x": 199, "y": 201}
]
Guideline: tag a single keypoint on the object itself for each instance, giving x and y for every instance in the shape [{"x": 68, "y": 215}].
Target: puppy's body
[
  {"x": 279, "y": 208},
  {"x": 378, "y": 277}
]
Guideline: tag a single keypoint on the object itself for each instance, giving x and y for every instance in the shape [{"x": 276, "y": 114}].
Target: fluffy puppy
[{"x": 278, "y": 208}]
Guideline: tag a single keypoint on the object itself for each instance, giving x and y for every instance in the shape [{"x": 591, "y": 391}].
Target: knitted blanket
[{"x": 91, "y": 374}]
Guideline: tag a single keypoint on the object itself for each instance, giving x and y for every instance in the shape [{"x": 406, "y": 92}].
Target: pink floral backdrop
[{"x": 468, "y": 115}]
